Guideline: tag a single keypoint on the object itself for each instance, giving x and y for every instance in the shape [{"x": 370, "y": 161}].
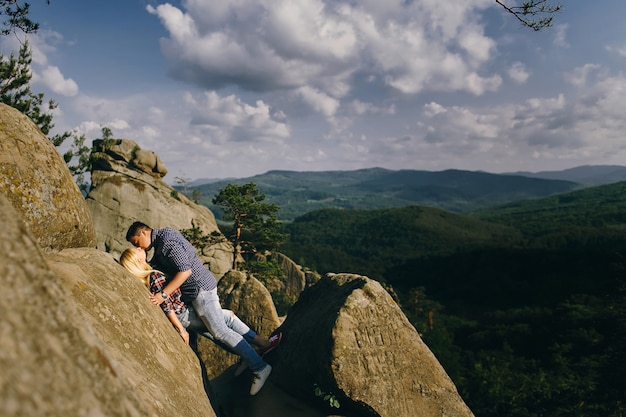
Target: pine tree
[{"x": 255, "y": 226}]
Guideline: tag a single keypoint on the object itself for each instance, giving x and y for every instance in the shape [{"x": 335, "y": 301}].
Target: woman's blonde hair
[{"x": 140, "y": 270}]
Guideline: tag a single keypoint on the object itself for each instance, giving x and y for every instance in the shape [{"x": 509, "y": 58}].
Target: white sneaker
[
  {"x": 241, "y": 366},
  {"x": 259, "y": 379}
]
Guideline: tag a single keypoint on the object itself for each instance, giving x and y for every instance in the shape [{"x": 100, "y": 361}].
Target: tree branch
[{"x": 533, "y": 8}]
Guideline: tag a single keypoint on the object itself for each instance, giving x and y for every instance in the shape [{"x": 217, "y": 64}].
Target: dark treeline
[{"x": 526, "y": 311}]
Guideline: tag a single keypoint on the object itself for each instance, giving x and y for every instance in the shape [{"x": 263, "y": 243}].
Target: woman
[{"x": 183, "y": 317}]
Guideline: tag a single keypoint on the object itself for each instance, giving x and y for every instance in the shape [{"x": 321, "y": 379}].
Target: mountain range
[{"x": 297, "y": 193}]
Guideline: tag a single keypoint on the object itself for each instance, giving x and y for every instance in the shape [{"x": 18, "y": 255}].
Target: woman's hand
[
  {"x": 156, "y": 299},
  {"x": 183, "y": 333}
]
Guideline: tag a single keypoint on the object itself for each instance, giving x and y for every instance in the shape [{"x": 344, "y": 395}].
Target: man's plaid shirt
[{"x": 172, "y": 254}]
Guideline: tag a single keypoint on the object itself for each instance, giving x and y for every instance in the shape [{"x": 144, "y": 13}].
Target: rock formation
[
  {"x": 34, "y": 177},
  {"x": 84, "y": 340},
  {"x": 80, "y": 338},
  {"x": 295, "y": 280},
  {"x": 346, "y": 336},
  {"x": 127, "y": 186},
  {"x": 133, "y": 337}
]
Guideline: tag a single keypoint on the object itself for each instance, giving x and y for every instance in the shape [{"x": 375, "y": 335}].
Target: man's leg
[{"x": 207, "y": 307}]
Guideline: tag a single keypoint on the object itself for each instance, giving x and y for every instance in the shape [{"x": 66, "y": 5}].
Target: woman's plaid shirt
[{"x": 174, "y": 302}]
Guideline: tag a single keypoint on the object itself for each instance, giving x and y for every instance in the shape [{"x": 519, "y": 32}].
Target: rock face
[
  {"x": 127, "y": 186},
  {"x": 295, "y": 280},
  {"x": 133, "y": 337},
  {"x": 253, "y": 305},
  {"x": 35, "y": 179},
  {"x": 70, "y": 347},
  {"x": 347, "y": 336}
]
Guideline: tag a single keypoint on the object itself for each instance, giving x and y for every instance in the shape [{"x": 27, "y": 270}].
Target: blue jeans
[
  {"x": 207, "y": 307},
  {"x": 190, "y": 320}
]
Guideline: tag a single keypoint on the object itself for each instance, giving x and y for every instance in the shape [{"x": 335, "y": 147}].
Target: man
[{"x": 176, "y": 257}]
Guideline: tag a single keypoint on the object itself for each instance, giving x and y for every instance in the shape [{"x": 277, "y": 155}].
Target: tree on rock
[{"x": 255, "y": 226}]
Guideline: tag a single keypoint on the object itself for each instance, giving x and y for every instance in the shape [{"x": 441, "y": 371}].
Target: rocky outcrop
[
  {"x": 134, "y": 337},
  {"x": 85, "y": 341},
  {"x": 127, "y": 186},
  {"x": 80, "y": 338},
  {"x": 295, "y": 280},
  {"x": 35, "y": 179},
  {"x": 346, "y": 336},
  {"x": 253, "y": 305}
]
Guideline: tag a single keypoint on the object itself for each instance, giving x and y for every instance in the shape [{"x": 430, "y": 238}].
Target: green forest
[{"x": 524, "y": 304}]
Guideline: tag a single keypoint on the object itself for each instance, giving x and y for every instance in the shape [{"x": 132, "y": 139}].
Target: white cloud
[
  {"x": 360, "y": 108},
  {"x": 319, "y": 101},
  {"x": 277, "y": 44},
  {"x": 229, "y": 118},
  {"x": 560, "y": 37},
  {"x": 52, "y": 78},
  {"x": 584, "y": 127},
  {"x": 519, "y": 73},
  {"x": 619, "y": 50},
  {"x": 578, "y": 77}
]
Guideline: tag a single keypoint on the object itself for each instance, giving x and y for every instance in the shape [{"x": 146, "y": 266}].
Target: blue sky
[{"x": 235, "y": 88}]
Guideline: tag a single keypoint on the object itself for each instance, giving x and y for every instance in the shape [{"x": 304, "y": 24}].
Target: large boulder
[
  {"x": 134, "y": 340},
  {"x": 53, "y": 363},
  {"x": 35, "y": 179},
  {"x": 252, "y": 303},
  {"x": 127, "y": 186},
  {"x": 347, "y": 337},
  {"x": 294, "y": 281}
]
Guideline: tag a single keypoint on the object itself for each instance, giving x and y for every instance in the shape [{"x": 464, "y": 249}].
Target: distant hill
[
  {"x": 202, "y": 181},
  {"x": 588, "y": 175},
  {"x": 523, "y": 303},
  {"x": 601, "y": 207},
  {"x": 457, "y": 191},
  {"x": 370, "y": 241}
]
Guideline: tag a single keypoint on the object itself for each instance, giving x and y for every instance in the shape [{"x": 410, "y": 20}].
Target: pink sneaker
[{"x": 274, "y": 341}]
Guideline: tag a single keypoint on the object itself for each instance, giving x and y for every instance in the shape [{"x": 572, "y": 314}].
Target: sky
[{"x": 235, "y": 88}]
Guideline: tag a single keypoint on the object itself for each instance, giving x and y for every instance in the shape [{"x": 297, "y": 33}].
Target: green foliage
[
  {"x": 15, "y": 77},
  {"x": 200, "y": 240},
  {"x": 15, "y": 91},
  {"x": 80, "y": 153},
  {"x": 370, "y": 242},
  {"x": 16, "y": 17},
  {"x": 255, "y": 227},
  {"x": 182, "y": 182},
  {"x": 264, "y": 271},
  {"x": 328, "y": 398},
  {"x": 196, "y": 196},
  {"x": 523, "y": 304},
  {"x": 588, "y": 214},
  {"x": 78, "y": 158}
]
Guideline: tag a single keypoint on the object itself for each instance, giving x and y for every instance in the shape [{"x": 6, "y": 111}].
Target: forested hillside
[
  {"x": 524, "y": 304},
  {"x": 458, "y": 191}
]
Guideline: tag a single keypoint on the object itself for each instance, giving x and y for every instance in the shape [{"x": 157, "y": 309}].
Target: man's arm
[{"x": 171, "y": 286}]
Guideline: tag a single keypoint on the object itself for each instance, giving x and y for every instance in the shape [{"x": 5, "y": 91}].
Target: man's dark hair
[{"x": 135, "y": 228}]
